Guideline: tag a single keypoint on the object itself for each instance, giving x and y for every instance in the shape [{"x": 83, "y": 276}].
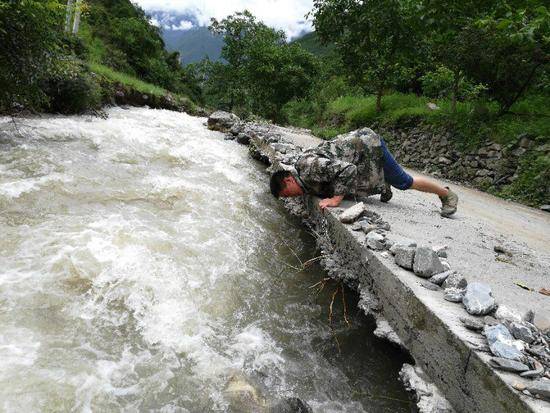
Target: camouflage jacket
[{"x": 348, "y": 165}]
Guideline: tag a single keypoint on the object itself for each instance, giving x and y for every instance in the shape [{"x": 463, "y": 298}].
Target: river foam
[{"x": 142, "y": 263}]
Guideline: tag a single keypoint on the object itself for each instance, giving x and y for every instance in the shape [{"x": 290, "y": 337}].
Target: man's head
[{"x": 284, "y": 184}]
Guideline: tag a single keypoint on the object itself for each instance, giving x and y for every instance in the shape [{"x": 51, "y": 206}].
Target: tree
[
  {"x": 262, "y": 72},
  {"x": 30, "y": 41},
  {"x": 507, "y": 49},
  {"x": 375, "y": 38}
]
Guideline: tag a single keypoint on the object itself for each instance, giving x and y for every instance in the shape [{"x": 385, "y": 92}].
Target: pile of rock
[{"x": 516, "y": 343}]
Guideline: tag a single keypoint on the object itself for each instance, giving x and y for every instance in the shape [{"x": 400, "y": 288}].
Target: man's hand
[{"x": 330, "y": 202}]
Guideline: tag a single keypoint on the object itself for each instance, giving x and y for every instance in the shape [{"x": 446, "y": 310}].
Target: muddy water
[{"x": 143, "y": 263}]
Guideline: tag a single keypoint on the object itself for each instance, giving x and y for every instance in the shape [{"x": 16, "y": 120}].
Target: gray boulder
[
  {"x": 352, "y": 213},
  {"x": 501, "y": 342},
  {"x": 222, "y": 121},
  {"x": 441, "y": 277},
  {"x": 375, "y": 241},
  {"x": 508, "y": 365},
  {"x": 479, "y": 299},
  {"x": 522, "y": 332},
  {"x": 404, "y": 257},
  {"x": 455, "y": 280},
  {"x": 472, "y": 324},
  {"x": 426, "y": 262}
]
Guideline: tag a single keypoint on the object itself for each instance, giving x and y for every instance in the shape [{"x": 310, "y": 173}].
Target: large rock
[
  {"x": 522, "y": 332},
  {"x": 404, "y": 257},
  {"x": 426, "y": 262},
  {"x": 222, "y": 121},
  {"x": 441, "y": 277},
  {"x": 479, "y": 299},
  {"x": 502, "y": 343},
  {"x": 375, "y": 241},
  {"x": 352, "y": 213}
]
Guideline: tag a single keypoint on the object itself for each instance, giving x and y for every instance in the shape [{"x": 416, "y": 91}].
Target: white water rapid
[{"x": 143, "y": 262}]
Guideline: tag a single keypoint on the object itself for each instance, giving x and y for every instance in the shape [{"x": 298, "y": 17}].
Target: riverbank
[{"x": 454, "y": 357}]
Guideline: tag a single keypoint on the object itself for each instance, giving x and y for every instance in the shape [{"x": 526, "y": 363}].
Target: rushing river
[{"x": 143, "y": 263}]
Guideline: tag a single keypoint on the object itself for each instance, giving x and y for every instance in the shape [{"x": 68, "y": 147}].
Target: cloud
[{"x": 287, "y": 15}]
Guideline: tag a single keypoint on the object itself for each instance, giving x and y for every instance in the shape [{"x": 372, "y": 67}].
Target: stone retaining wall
[{"x": 434, "y": 151}]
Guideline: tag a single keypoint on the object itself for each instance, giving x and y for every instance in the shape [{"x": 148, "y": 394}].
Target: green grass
[
  {"x": 127, "y": 80},
  {"x": 473, "y": 122}
]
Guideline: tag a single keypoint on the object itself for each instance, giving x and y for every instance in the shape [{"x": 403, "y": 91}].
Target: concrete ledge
[{"x": 428, "y": 326}]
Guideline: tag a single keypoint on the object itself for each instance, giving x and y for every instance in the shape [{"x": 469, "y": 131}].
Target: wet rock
[
  {"x": 441, "y": 277},
  {"x": 471, "y": 324},
  {"x": 352, "y": 213},
  {"x": 522, "y": 332},
  {"x": 502, "y": 343},
  {"x": 404, "y": 256},
  {"x": 540, "y": 387},
  {"x": 290, "y": 405},
  {"x": 375, "y": 241},
  {"x": 455, "y": 280},
  {"x": 222, "y": 121},
  {"x": 426, "y": 262},
  {"x": 454, "y": 295},
  {"x": 243, "y": 138},
  {"x": 508, "y": 365},
  {"x": 428, "y": 397},
  {"x": 478, "y": 299},
  {"x": 430, "y": 286}
]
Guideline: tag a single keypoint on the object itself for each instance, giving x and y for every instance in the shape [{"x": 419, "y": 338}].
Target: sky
[{"x": 287, "y": 15}]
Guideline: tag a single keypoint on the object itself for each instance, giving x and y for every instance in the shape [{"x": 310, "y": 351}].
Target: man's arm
[{"x": 319, "y": 168}]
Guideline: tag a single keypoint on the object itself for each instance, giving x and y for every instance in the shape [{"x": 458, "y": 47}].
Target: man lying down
[{"x": 355, "y": 165}]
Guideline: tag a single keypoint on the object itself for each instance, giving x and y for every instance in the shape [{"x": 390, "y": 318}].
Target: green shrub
[
  {"x": 533, "y": 183},
  {"x": 72, "y": 89}
]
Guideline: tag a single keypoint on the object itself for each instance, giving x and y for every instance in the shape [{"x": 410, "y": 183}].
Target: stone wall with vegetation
[{"x": 518, "y": 170}]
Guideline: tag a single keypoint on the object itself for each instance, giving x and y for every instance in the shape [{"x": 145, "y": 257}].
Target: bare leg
[{"x": 425, "y": 185}]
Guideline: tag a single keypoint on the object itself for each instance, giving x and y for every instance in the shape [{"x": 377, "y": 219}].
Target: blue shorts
[{"x": 393, "y": 172}]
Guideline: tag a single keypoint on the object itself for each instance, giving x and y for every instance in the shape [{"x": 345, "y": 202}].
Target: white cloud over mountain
[{"x": 287, "y": 15}]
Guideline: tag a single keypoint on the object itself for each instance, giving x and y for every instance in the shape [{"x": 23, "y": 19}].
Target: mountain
[
  {"x": 183, "y": 33},
  {"x": 193, "y": 44},
  {"x": 310, "y": 42}
]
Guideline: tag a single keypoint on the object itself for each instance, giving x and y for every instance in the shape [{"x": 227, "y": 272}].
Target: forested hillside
[
  {"x": 478, "y": 71},
  {"x": 47, "y": 67}
]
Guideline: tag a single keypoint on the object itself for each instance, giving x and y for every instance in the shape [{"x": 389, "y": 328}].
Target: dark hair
[{"x": 276, "y": 183}]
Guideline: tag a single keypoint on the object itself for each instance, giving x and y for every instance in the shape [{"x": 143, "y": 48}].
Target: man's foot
[
  {"x": 448, "y": 203},
  {"x": 387, "y": 194}
]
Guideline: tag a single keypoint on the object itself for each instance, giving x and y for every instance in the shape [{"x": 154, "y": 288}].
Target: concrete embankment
[{"x": 444, "y": 339}]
